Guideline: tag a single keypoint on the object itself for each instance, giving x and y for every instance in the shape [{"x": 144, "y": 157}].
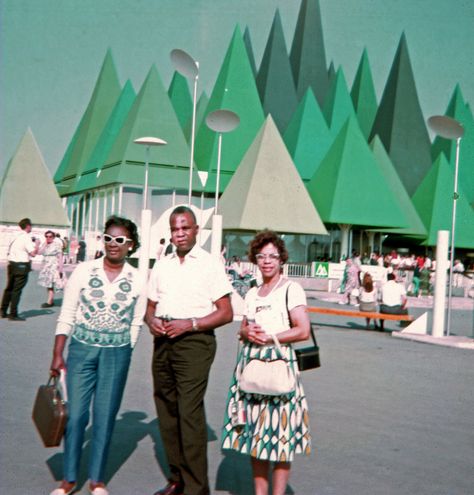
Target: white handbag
[{"x": 268, "y": 377}]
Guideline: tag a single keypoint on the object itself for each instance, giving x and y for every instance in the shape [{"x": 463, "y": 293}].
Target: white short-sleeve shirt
[
  {"x": 21, "y": 248},
  {"x": 188, "y": 289},
  {"x": 271, "y": 311}
]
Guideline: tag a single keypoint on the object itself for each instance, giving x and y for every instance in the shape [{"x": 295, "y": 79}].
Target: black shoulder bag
[{"x": 307, "y": 357}]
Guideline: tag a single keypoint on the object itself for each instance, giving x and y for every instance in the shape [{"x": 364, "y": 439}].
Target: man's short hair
[
  {"x": 182, "y": 210},
  {"x": 391, "y": 276},
  {"x": 24, "y": 222}
]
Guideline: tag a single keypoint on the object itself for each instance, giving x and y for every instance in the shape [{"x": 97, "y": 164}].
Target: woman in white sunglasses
[{"x": 102, "y": 311}]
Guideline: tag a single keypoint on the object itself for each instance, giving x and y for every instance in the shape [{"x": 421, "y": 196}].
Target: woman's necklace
[{"x": 273, "y": 288}]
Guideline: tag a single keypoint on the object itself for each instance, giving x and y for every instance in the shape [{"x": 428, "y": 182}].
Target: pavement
[{"x": 389, "y": 416}]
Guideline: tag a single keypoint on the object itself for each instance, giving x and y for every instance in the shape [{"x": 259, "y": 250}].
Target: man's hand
[
  {"x": 175, "y": 328},
  {"x": 156, "y": 326}
]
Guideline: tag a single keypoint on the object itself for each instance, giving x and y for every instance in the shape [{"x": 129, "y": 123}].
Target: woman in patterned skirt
[
  {"x": 270, "y": 429},
  {"x": 51, "y": 272}
]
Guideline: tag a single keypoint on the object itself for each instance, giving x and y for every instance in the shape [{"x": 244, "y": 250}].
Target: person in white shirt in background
[
  {"x": 394, "y": 298},
  {"x": 19, "y": 266}
]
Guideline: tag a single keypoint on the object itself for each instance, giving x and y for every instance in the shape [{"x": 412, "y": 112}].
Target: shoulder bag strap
[{"x": 313, "y": 337}]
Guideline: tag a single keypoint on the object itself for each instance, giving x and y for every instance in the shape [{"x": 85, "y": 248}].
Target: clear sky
[{"x": 52, "y": 50}]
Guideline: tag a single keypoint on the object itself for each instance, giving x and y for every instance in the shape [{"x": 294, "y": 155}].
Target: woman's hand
[
  {"x": 254, "y": 334},
  {"x": 57, "y": 364}
]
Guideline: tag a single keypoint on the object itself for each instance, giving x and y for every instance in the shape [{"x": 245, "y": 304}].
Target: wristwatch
[{"x": 195, "y": 324}]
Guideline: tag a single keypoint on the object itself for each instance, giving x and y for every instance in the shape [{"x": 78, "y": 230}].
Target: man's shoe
[
  {"x": 3, "y": 314},
  {"x": 47, "y": 305},
  {"x": 16, "y": 318},
  {"x": 172, "y": 488}
]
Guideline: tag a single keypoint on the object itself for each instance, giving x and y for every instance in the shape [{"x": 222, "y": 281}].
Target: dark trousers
[
  {"x": 17, "y": 277},
  {"x": 180, "y": 373}
]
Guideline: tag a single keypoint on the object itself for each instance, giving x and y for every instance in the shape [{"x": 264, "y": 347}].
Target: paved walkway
[{"x": 389, "y": 416}]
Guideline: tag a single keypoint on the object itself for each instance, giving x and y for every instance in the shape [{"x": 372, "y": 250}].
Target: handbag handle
[{"x": 289, "y": 318}]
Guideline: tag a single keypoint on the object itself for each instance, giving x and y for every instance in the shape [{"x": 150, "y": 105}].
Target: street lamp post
[
  {"x": 220, "y": 121},
  {"x": 189, "y": 68},
  {"x": 449, "y": 128},
  {"x": 144, "y": 254}
]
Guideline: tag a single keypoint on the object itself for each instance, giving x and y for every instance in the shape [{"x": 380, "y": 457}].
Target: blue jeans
[{"x": 97, "y": 373}]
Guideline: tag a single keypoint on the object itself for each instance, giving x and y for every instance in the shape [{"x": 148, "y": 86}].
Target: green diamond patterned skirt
[{"x": 276, "y": 428}]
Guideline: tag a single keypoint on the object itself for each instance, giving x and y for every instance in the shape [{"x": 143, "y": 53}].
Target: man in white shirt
[
  {"x": 19, "y": 266},
  {"x": 394, "y": 298},
  {"x": 188, "y": 297}
]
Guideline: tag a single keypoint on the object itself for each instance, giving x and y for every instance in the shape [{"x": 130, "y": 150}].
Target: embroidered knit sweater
[{"x": 101, "y": 313}]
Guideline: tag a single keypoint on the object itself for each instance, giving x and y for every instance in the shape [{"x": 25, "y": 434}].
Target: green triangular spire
[
  {"x": 331, "y": 73},
  {"x": 104, "y": 97},
  {"x": 234, "y": 90},
  {"x": 275, "y": 80},
  {"x": 307, "y": 136},
  {"x": 363, "y": 95},
  {"x": 338, "y": 105},
  {"x": 88, "y": 178},
  {"x": 181, "y": 99},
  {"x": 434, "y": 202},
  {"x": 267, "y": 192},
  {"x": 151, "y": 115},
  {"x": 308, "y": 59},
  {"x": 249, "y": 48},
  {"x": 415, "y": 225},
  {"x": 400, "y": 123},
  {"x": 27, "y": 188},
  {"x": 349, "y": 187},
  {"x": 457, "y": 109}
]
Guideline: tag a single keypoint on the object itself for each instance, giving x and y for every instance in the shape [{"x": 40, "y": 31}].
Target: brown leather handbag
[{"x": 50, "y": 413}]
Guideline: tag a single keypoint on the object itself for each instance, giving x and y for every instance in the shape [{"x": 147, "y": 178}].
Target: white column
[
  {"x": 97, "y": 199},
  {"x": 216, "y": 239},
  {"x": 442, "y": 264},
  {"x": 345, "y": 229},
  {"x": 89, "y": 222},
  {"x": 144, "y": 254},
  {"x": 120, "y": 200}
]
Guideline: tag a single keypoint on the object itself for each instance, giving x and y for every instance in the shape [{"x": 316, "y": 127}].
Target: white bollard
[
  {"x": 442, "y": 264},
  {"x": 216, "y": 239},
  {"x": 144, "y": 253}
]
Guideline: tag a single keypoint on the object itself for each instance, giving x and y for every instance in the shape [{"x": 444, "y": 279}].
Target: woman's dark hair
[
  {"x": 367, "y": 282},
  {"x": 127, "y": 224},
  {"x": 262, "y": 239}
]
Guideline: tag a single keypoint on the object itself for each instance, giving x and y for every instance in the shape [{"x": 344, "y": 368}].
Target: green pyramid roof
[
  {"x": 307, "y": 136},
  {"x": 151, "y": 115},
  {"x": 267, "y": 192},
  {"x": 400, "y": 123},
  {"x": 235, "y": 90},
  {"x": 88, "y": 178},
  {"x": 338, "y": 105},
  {"x": 349, "y": 187},
  {"x": 249, "y": 47},
  {"x": 181, "y": 98},
  {"x": 27, "y": 188},
  {"x": 363, "y": 95},
  {"x": 104, "y": 97},
  {"x": 457, "y": 109},
  {"x": 275, "y": 80},
  {"x": 434, "y": 202},
  {"x": 415, "y": 225},
  {"x": 308, "y": 59},
  {"x": 331, "y": 73}
]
